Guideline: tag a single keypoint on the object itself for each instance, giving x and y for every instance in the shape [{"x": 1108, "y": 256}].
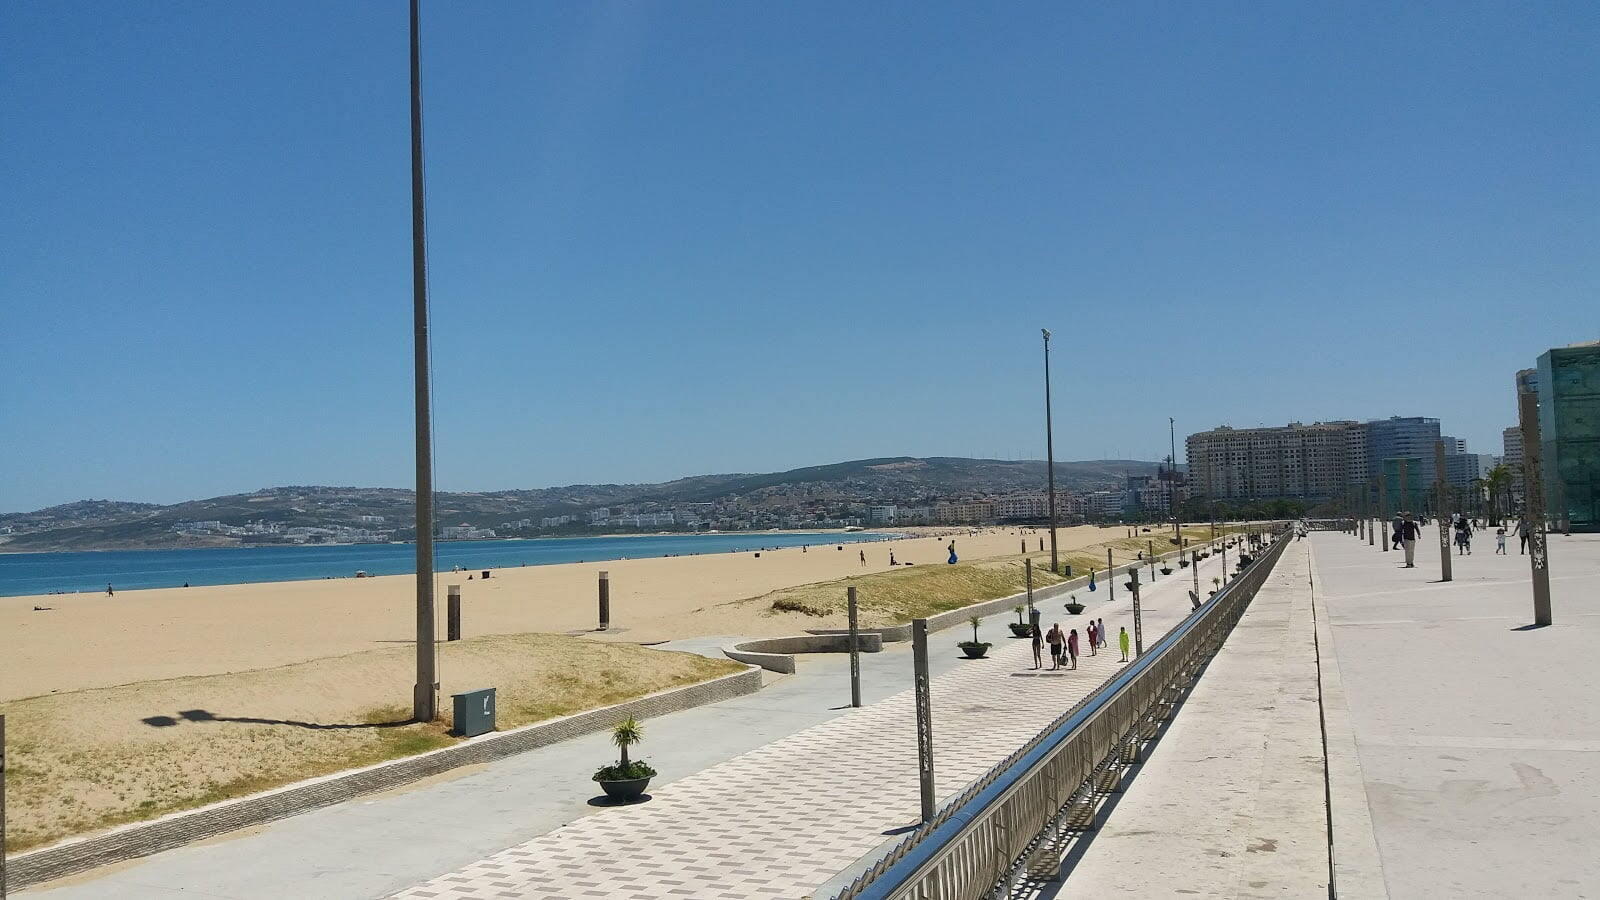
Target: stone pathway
[{"x": 782, "y": 819}]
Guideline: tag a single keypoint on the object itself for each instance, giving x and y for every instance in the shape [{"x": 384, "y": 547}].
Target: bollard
[
  {"x": 452, "y": 627},
  {"x": 919, "y": 663},
  {"x": 605, "y": 600},
  {"x": 855, "y": 648}
]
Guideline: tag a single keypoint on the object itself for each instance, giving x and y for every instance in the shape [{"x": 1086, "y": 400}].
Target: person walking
[
  {"x": 1122, "y": 638},
  {"x": 1072, "y": 647},
  {"x": 1094, "y": 636},
  {"x": 1409, "y": 532},
  {"x": 1463, "y": 537},
  {"x": 1100, "y": 630},
  {"x": 1399, "y": 525},
  {"x": 109, "y": 591},
  {"x": 1500, "y": 541},
  {"x": 1522, "y": 535},
  {"x": 863, "y": 557},
  {"x": 1054, "y": 639},
  {"x": 1038, "y": 645}
]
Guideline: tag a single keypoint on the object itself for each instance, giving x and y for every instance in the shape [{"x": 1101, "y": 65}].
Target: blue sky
[{"x": 669, "y": 239}]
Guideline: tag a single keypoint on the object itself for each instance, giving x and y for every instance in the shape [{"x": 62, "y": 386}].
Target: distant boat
[{"x": 854, "y": 528}]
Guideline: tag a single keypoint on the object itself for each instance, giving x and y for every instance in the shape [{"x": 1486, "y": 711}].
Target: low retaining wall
[
  {"x": 177, "y": 829},
  {"x": 777, "y": 654}
]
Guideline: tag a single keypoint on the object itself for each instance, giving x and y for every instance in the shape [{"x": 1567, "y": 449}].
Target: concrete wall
[
  {"x": 177, "y": 829},
  {"x": 777, "y": 654}
]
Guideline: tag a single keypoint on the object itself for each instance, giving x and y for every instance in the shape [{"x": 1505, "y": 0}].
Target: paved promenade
[
  {"x": 783, "y": 819},
  {"x": 376, "y": 846},
  {"x": 1478, "y": 735},
  {"x": 1230, "y": 802},
  {"x": 1451, "y": 749}
]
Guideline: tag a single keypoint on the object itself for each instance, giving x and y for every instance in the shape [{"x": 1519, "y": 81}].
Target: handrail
[{"x": 896, "y": 874}]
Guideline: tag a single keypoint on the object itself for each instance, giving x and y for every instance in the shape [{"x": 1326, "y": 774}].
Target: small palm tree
[
  {"x": 1019, "y": 609},
  {"x": 974, "y": 623},
  {"x": 625, "y": 734}
]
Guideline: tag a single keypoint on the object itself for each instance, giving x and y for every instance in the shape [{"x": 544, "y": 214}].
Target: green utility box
[{"x": 474, "y": 712}]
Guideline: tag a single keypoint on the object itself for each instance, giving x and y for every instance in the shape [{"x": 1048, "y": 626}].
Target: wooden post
[
  {"x": 452, "y": 627},
  {"x": 919, "y": 663},
  {"x": 2, "y": 807},
  {"x": 1441, "y": 508},
  {"x": 605, "y": 600},
  {"x": 1138, "y": 622},
  {"x": 855, "y": 648},
  {"x": 1111, "y": 578},
  {"x": 1533, "y": 506}
]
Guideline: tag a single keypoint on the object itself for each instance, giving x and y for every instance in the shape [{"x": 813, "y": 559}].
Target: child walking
[{"x": 1500, "y": 541}]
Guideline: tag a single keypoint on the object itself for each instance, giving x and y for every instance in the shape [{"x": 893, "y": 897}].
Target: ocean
[{"x": 45, "y": 573}]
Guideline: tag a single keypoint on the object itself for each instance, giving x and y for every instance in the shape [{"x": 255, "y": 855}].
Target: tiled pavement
[{"x": 784, "y": 818}]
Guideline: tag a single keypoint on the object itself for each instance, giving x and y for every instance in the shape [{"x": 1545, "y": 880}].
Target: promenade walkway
[
  {"x": 1442, "y": 745},
  {"x": 378, "y": 845},
  {"x": 783, "y": 819},
  {"x": 1230, "y": 801}
]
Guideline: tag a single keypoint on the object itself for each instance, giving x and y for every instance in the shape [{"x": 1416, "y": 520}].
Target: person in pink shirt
[{"x": 1072, "y": 647}]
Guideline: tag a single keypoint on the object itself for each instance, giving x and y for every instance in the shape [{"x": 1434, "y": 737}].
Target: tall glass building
[
  {"x": 1569, "y": 431},
  {"x": 1411, "y": 437}
]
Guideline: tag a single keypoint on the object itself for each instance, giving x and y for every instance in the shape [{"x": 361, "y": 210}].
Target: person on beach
[
  {"x": 952, "y": 560},
  {"x": 1038, "y": 645},
  {"x": 863, "y": 557},
  {"x": 1463, "y": 537},
  {"x": 891, "y": 559},
  {"x": 1500, "y": 541},
  {"x": 1054, "y": 639},
  {"x": 1122, "y": 638},
  {"x": 1072, "y": 647},
  {"x": 110, "y": 592}
]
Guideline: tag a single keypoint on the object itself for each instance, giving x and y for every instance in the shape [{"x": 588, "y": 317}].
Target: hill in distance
[{"x": 815, "y": 490}]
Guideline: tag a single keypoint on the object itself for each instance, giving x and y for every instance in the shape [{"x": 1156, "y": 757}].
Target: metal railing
[{"x": 982, "y": 838}]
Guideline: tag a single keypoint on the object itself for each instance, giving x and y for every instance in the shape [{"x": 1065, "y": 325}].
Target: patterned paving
[{"x": 780, "y": 820}]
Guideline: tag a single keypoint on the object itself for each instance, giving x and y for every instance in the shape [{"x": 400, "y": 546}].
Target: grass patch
[
  {"x": 914, "y": 592},
  {"x": 90, "y": 760}
]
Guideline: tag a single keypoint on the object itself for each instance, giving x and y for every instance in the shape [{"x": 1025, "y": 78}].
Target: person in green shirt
[{"x": 1122, "y": 639}]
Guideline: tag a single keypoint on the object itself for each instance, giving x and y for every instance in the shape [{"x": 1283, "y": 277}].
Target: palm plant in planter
[
  {"x": 974, "y": 649},
  {"x": 1073, "y": 606},
  {"x": 626, "y": 779},
  {"x": 1215, "y": 584},
  {"x": 1019, "y": 628}
]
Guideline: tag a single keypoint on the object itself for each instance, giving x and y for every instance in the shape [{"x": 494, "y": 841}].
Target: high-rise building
[
  {"x": 1569, "y": 433},
  {"x": 1461, "y": 469},
  {"x": 1293, "y": 461},
  {"x": 1511, "y": 445},
  {"x": 1410, "y": 437}
]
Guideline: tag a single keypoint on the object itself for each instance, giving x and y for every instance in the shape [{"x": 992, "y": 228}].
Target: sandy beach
[{"x": 87, "y": 641}]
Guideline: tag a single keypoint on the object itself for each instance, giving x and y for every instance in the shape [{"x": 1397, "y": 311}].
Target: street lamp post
[
  {"x": 424, "y": 694},
  {"x": 1050, "y": 454}
]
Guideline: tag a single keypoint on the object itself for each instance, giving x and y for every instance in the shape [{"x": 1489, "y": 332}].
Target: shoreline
[{"x": 89, "y": 640}]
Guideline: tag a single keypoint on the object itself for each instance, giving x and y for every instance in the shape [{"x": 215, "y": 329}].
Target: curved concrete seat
[
  {"x": 777, "y": 654},
  {"x": 890, "y": 633}
]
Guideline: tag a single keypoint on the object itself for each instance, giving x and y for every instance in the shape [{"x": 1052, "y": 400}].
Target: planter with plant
[
  {"x": 1073, "y": 606},
  {"x": 1166, "y": 569},
  {"x": 1020, "y": 628},
  {"x": 1183, "y": 563},
  {"x": 974, "y": 649},
  {"x": 626, "y": 779}
]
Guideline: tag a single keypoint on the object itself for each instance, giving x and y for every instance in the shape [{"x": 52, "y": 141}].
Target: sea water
[{"x": 45, "y": 573}]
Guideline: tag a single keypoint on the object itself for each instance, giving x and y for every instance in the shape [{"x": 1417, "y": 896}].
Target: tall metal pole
[
  {"x": 1533, "y": 505},
  {"x": 1172, "y": 495},
  {"x": 1050, "y": 455},
  {"x": 2, "y": 807},
  {"x": 1441, "y": 508},
  {"x": 919, "y": 668},
  {"x": 1111, "y": 578},
  {"x": 424, "y": 696}
]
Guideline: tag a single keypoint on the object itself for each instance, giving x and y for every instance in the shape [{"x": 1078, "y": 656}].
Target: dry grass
[
  {"x": 894, "y": 597},
  {"x": 89, "y": 760}
]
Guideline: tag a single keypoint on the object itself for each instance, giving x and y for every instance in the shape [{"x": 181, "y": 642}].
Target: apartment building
[{"x": 1295, "y": 460}]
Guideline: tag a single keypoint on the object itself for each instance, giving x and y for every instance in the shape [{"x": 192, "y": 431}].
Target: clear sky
[{"x": 679, "y": 238}]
